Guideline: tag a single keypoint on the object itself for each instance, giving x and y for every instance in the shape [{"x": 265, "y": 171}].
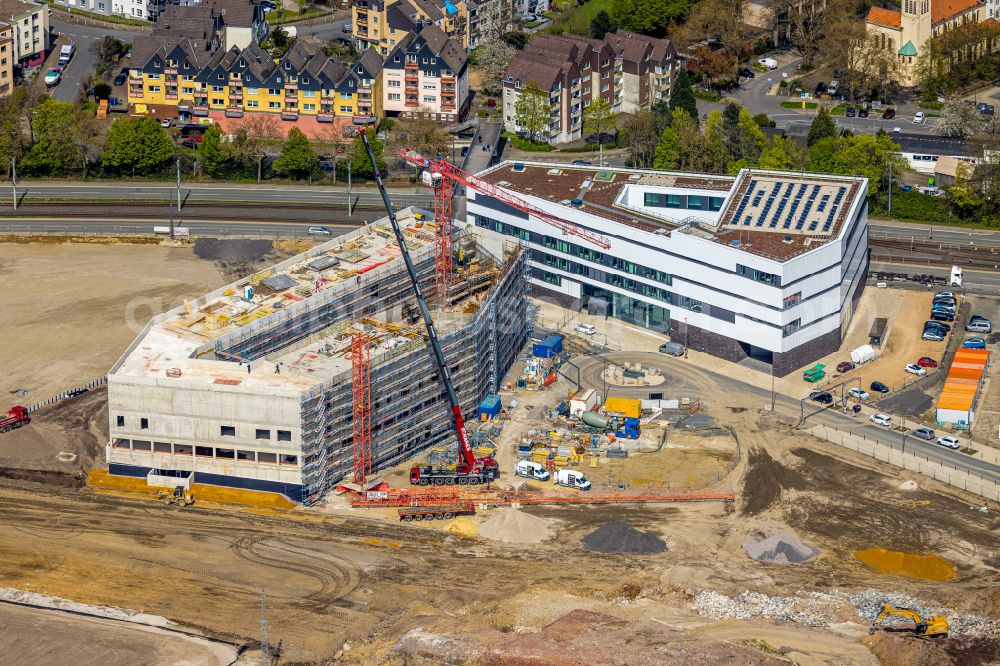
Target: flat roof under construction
[{"x": 181, "y": 343}]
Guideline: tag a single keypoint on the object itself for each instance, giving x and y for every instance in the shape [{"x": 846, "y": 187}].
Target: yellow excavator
[
  {"x": 936, "y": 627},
  {"x": 178, "y": 496}
]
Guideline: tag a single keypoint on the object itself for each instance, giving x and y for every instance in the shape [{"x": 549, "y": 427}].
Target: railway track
[{"x": 968, "y": 256}]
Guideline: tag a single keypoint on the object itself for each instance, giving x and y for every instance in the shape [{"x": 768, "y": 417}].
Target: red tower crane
[
  {"x": 442, "y": 177},
  {"x": 361, "y": 392}
]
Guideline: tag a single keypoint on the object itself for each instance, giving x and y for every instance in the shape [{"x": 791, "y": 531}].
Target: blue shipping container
[
  {"x": 490, "y": 407},
  {"x": 541, "y": 350},
  {"x": 554, "y": 341}
]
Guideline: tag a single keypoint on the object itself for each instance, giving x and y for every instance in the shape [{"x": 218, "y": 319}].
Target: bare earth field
[{"x": 80, "y": 305}]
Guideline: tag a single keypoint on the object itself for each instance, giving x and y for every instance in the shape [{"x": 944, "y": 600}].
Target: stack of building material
[{"x": 957, "y": 404}]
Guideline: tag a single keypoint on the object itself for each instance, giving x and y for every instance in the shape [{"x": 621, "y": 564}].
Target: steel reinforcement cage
[{"x": 408, "y": 408}]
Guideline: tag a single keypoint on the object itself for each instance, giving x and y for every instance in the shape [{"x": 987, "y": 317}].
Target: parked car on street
[
  {"x": 822, "y": 397},
  {"x": 979, "y": 326},
  {"x": 927, "y": 362},
  {"x": 932, "y": 335},
  {"x": 851, "y": 112},
  {"x": 882, "y": 420},
  {"x": 53, "y": 77},
  {"x": 319, "y": 231},
  {"x": 915, "y": 369},
  {"x": 672, "y": 348},
  {"x": 950, "y": 442},
  {"x": 939, "y": 325},
  {"x": 820, "y": 88},
  {"x": 122, "y": 77},
  {"x": 918, "y": 117},
  {"x": 879, "y": 387},
  {"x": 924, "y": 433},
  {"x": 586, "y": 329},
  {"x": 858, "y": 393},
  {"x": 845, "y": 366},
  {"x": 974, "y": 343},
  {"x": 888, "y": 114},
  {"x": 769, "y": 63},
  {"x": 747, "y": 73},
  {"x": 863, "y": 112}
]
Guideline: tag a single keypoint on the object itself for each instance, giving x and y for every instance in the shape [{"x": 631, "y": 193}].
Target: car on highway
[
  {"x": 924, "y": 433},
  {"x": 927, "y": 362},
  {"x": 883, "y": 420},
  {"x": 950, "y": 442},
  {"x": 845, "y": 366},
  {"x": 53, "y": 76},
  {"x": 586, "y": 329},
  {"x": 888, "y": 114},
  {"x": 863, "y": 112},
  {"x": 851, "y": 112},
  {"x": 974, "y": 343},
  {"x": 918, "y": 117},
  {"x": 859, "y": 393},
  {"x": 915, "y": 369},
  {"x": 822, "y": 397},
  {"x": 122, "y": 77},
  {"x": 879, "y": 387},
  {"x": 319, "y": 231}
]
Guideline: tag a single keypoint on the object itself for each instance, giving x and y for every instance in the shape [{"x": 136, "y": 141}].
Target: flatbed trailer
[{"x": 442, "y": 512}]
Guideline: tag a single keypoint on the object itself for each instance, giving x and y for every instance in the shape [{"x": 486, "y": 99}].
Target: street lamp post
[
  {"x": 13, "y": 178},
  {"x": 178, "y": 184}
]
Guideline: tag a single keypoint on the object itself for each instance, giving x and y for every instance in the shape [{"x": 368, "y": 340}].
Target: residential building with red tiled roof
[
  {"x": 629, "y": 71},
  {"x": 906, "y": 30}
]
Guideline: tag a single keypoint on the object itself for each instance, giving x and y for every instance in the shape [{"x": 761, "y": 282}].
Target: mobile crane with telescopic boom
[{"x": 470, "y": 470}]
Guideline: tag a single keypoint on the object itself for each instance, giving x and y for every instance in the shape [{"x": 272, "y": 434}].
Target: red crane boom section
[{"x": 452, "y": 172}]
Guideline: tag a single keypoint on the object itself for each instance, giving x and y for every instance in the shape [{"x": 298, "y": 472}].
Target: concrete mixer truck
[{"x": 621, "y": 427}]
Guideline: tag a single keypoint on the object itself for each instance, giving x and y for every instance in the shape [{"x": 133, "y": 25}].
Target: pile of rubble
[{"x": 820, "y": 609}]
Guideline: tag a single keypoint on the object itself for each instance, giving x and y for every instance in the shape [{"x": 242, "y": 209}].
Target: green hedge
[
  {"x": 913, "y": 205},
  {"x": 800, "y": 104},
  {"x": 528, "y": 145}
]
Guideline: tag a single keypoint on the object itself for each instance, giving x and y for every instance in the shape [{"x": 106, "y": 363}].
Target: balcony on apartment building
[
  {"x": 290, "y": 114},
  {"x": 412, "y": 100},
  {"x": 234, "y": 112},
  {"x": 325, "y": 117},
  {"x": 236, "y": 95},
  {"x": 171, "y": 93}
]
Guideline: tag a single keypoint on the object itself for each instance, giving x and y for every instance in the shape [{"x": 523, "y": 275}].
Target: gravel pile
[
  {"x": 780, "y": 549},
  {"x": 820, "y": 609},
  {"x": 623, "y": 538},
  {"x": 514, "y": 526}
]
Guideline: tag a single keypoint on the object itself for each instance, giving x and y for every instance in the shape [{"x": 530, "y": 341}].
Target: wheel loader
[{"x": 178, "y": 496}]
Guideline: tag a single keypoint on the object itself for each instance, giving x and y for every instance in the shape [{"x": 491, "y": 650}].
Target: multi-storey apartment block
[
  {"x": 426, "y": 74},
  {"x": 29, "y": 34},
  {"x": 6, "y": 60},
  {"x": 187, "y": 74},
  {"x": 629, "y": 71},
  {"x": 382, "y": 24}
]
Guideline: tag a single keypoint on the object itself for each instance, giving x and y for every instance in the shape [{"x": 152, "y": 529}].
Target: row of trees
[
  {"x": 732, "y": 139},
  {"x": 47, "y": 137}
]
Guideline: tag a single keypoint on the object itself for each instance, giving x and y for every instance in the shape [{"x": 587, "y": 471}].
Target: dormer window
[
  {"x": 395, "y": 58},
  {"x": 434, "y": 61},
  {"x": 360, "y": 71},
  {"x": 243, "y": 64},
  {"x": 305, "y": 80},
  {"x": 187, "y": 65},
  {"x": 221, "y": 76},
  {"x": 278, "y": 79},
  {"x": 288, "y": 65},
  {"x": 156, "y": 63}
]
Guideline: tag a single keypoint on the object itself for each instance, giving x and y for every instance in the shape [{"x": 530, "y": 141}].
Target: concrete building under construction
[{"x": 250, "y": 386}]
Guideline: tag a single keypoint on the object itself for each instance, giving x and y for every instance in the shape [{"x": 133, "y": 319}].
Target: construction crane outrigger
[{"x": 470, "y": 470}]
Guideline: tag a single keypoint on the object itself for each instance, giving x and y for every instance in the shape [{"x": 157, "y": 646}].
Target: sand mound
[
  {"x": 780, "y": 549},
  {"x": 515, "y": 526},
  {"x": 908, "y": 485},
  {"x": 623, "y": 538},
  {"x": 912, "y": 565},
  {"x": 463, "y": 526}
]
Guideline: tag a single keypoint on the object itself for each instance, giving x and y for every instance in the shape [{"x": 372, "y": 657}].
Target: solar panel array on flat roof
[{"x": 769, "y": 204}]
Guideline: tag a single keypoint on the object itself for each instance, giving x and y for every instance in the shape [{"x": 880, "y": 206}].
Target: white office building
[{"x": 766, "y": 265}]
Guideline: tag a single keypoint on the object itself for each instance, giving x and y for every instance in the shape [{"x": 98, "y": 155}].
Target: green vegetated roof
[{"x": 908, "y": 49}]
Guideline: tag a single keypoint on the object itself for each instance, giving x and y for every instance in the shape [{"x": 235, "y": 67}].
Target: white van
[
  {"x": 531, "y": 470},
  {"x": 572, "y": 479},
  {"x": 769, "y": 63},
  {"x": 956, "y": 276}
]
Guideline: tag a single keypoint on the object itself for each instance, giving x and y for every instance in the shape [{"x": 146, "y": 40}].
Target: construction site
[
  {"x": 251, "y": 386},
  {"x": 382, "y": 448}
]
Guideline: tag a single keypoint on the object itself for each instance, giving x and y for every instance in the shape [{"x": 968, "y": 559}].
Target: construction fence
[
  {"x": 895, "y": 454},
  {"x": 70, "y": 393}
]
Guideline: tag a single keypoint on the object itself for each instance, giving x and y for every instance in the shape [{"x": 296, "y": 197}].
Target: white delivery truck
[
  {"x": 66, "y": 53},
  {"x": 956, "y": 276},
  {"x": 531, "y": 470},
  {"x": 572, "y": 479}
]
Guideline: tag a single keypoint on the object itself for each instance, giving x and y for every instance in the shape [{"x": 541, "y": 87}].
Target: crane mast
[{"x": 471, "y": 464}]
